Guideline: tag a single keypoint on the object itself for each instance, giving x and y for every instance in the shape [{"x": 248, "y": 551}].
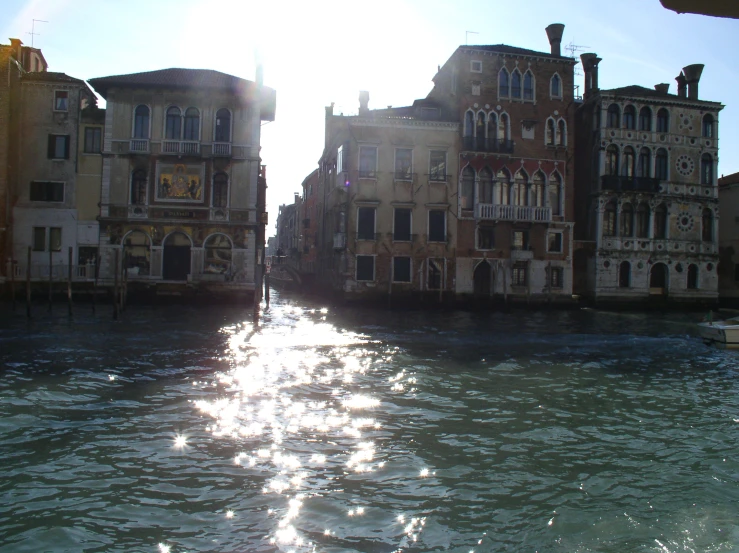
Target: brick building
[
  {"x": 309, "y": 218},
  {"x": 515, "y": 109}
]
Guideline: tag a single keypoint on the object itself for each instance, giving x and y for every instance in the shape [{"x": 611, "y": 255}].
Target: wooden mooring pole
[
  {"x": 69, "y": 283},
  {"x": 95, "y": 282},
  {"x": 51, "y": 276},
  {"x": 115, "y": 286},
  {"x": 13, "y": 264},
  {"x": 28, "y": 284}
]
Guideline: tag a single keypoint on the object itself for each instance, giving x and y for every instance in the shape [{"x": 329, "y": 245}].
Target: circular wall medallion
[
  {"x": 487, "y": 106},
  {"x": 684, "y": 165},
  {"x": 709, "y": 267},
  {"x": 606, "y": 264},
  {"x": 685, "y": 221},
  {"x": 640, "y": 265},
  {"x": 476, "y": 105},
  {"x": 679, "y": 268}
]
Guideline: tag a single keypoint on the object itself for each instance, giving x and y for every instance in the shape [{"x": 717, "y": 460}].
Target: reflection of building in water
[{"x": 180, "y": 172}]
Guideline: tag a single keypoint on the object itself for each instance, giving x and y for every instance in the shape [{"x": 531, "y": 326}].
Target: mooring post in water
[
  {"x": 124, "y": 281},
  {"x": 95, "y": 282},
  {"x": 51, "y": 274},
  {"x": 115, "y": 286},
  {"x": 13, "y": 263},
  {"x": 28, "y": 284},
  {"x": 69, "y": 282}
]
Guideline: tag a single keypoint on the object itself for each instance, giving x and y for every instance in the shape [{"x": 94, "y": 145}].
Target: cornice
[{"x": 400, "y": 123}]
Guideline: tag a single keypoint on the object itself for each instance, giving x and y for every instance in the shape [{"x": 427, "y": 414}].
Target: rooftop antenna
[
  {"x": 467, "y": 34},
  {"x": 576, "y": 49},
  {"x": 33, "y": 29}
]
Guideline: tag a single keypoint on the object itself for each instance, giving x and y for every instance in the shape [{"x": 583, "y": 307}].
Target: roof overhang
[{"x": 717, "y": 8}]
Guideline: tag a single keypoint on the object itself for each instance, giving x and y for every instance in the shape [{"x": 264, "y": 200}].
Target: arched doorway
[
  {"x": 658, "y": 279},
  {"x": 176, "y": 257},
  {"x": 137, "y": 254},
  {"x": 482, "y": 279}
]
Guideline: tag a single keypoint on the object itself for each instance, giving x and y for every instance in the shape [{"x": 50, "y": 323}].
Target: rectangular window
[
  {"x": 476, "y": 66},
  {"x": 556, "y": 277},
  {"x": 403, "y": 164},
  {"x": 58, "y": 147},
  {"x": 485, "y": 238},
  {"x": 368, "y": 162},
  {"x": 61, "y": 100},
  {"x": 437, "y": 165},
  {"x": 437, "y": 225},
  {"x": 402, "y": 225},
  {"x": 39, "y": 239},
  {"x": 55, "y": 239},
  {"x": 434, "y": 274},
  {"x": 519, "y": 276},
  {"x": 366, "y": 267},
  {"x": 340, "y": 159},
  {"x": 93, "y": 137},
  {"x": 554, "y": 242},
  {"x": 401, "y": 269},
  {"x": 520, "y": 240},
  {"x": 366, "y": 223},
  {"x": 47, "y": 191}
]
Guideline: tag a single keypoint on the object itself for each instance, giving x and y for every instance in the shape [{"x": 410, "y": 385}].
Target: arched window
[
  {"x": 538, "y": 184},
  {"x": 137, "y": 254},
  {"x": 520, "y": 185},
  {"x": 612, "y": 160},
  {"x": 627, "y": 220},
  {"x": 555, "y": 86},
  {"x": 627, "y": 165},
  {"x": 624, "y": 274},
  {"x": 551, "y": 131},
  {"x": 468, "y": 189},
  {"x": 503, "y": 189},
  {"x": 660, "y": 164},
  {"x": 660, "y": 222},
  {"x": 555, "y": 194},
  {"x": 643, "y": 167},
  {"x": 486, "y": 186},
  {"x": 706, "y": 169},
  {"x": 141, "y": 122},
  {"x": 528, "y": 85},
  {"x": 138, "y": 187},
  {"x": 469, "y": 129},
  {"x": 503, "y": 83},
  {"x": 516, "y": 84},
  {"x": 480, "y": 128},
  {"x": 223, "y": 125},
  {"x": 562, "y": 132},
  {"x": 217, "y": 255},
  {"x": 174, "y": 124},
  {"x": 642, "y": 221},
  {"x": 630, "y": 117},
  {"x": 220, "y": 190},
  {"x": 492, "y": 126},
  {"x": 614, "y": 116},
  {"x": 692, "y": 277},
  {"x": 192, "y": 124},
  {"x": 707, "y": 225},
  {"x": 663, "y": 120},
  {"x": 645, "y": 119},
  {"x": 503, "y": 127},
  {"x": 708, "y": 125},
  {"x": 609, "y": 219}
]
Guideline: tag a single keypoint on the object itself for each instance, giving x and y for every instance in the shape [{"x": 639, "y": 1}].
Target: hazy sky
[{"x": 323, "y": 51}]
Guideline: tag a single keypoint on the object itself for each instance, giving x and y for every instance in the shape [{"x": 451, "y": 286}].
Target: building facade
[
  {"x": 515, "y": 109},
  {"x": 647, "y": 190},
  {"x": 728, "y": 267},
  {"x": 388, "y": 195},
  {"x": 181, "y": 170},
  {"x": 309, "y": 218}
]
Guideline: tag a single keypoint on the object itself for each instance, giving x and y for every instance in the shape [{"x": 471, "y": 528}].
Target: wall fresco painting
[{"x": 180, "y": 183}]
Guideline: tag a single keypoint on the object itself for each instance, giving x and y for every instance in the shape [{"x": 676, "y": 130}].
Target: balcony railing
[
  {"x": 180, "y": 147},
  {"x": 495, "y": 145},
  {"x": 628, "y": 184},
  {"x": 514, "y": 212},
  {"x": 139, "y": 145},
  {"x": 222, "y": 149}
]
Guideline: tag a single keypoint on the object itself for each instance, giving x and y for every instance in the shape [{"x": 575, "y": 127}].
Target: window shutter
[
  {"x": 66, "y": 147},
  {"x": 50, "y": 150}
]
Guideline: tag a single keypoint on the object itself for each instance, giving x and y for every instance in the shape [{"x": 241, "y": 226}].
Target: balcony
[
  {"x": 629, "y": 184},
  {"x": 513, "y": 213},
  {"x": 489, "y": 145},
  {"x": 339, "y": 240},
  {"x": 138, "y": 146},
  {"x": 221, "y": 149},
  {"x": 180, "y": 147}
]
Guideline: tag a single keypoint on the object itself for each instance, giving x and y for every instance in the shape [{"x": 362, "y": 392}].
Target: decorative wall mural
[{"x": 180, "y": 182}]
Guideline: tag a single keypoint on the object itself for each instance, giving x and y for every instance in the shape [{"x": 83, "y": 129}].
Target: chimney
[
  {"x": 16, "y": 45},
  {"x": 662, "y": 88},
  {"x": 363, "y": 101},
  {"x": 590, "y": 67},
  {"x": 297, "y": 197},
  {"x": 330, "y": 110},
  {"x": 692, "y": 76},
  {"x": 682, "y": 90},
  {"x": 554, "y": 33}
]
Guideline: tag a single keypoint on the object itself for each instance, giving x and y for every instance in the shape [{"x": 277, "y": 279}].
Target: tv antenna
[
  {"x": 576, "y": 49},
  {"x": 33, "y": 32},
  {"x": 467, "y": 34}
]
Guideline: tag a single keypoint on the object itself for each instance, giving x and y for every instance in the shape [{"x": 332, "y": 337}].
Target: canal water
[{"x": 332, "y": 429}]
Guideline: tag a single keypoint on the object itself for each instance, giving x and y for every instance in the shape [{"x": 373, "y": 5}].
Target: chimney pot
[
  {"x": 363, "y": 102},
  {"x": 692, "y": 77},
  {"x": 590, "y": 67},
  {"x": 681, "y": 85},
  {"x": 554, "y": 33},
  {"x": 662, "y": 88}
]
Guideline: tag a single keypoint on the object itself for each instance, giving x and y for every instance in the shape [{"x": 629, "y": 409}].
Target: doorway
[
  {"x": 176, "y": 257},
  {"x": 482, "y": 279}
]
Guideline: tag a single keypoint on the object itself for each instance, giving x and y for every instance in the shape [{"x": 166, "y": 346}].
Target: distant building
[
  {"x": 309, "y": 220},
  {"x": 647, "y": 191},
  {"x": 287, "y": 232},
  {"x": 514, "y": 186},
  {"x": 387, "y": 185},
  {"x": 181, "y": 169},
  {"x": 728, "y": 267}
]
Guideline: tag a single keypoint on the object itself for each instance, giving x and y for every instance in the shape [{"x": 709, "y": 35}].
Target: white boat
[{"x": 722, "y": 333}]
